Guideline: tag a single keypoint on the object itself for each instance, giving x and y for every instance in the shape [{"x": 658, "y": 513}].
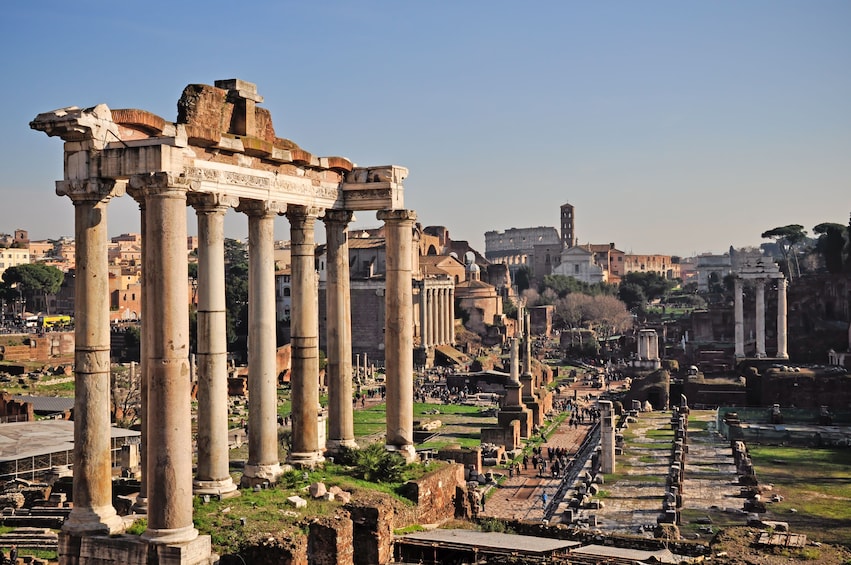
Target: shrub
[{"x": 375, "y": 464}]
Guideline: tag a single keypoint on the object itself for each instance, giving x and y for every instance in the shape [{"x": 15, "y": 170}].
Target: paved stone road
[{"x": 632, "y": 503}]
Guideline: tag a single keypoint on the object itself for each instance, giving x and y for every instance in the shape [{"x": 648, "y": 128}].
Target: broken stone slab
[
  {"x": 317, "y": 490},
  {"x": 297, "y": 501}
]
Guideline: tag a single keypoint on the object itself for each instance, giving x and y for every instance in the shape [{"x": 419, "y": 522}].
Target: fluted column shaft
[
  {"x": 398, "y": 333},
  {"x": 304, "y": 327},
  {"x": 263, "y": 463},
  {"x": 781, "y": 319},
  {"x": 739, "y": 318},
  {"x": 760, "y": 318},
  {"x": 93, "y": 511},
  {"x": 213, "y": 470},
  {"x": 169, "y": 463},
  {"x": 341, "y": 429}
]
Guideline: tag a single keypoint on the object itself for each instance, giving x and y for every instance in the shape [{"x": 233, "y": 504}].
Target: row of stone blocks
[{"x": 673, "y": 500}]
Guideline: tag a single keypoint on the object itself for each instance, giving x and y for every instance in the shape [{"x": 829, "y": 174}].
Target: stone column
[
  {"x": 398, "y": 334},
  {"x": 527, "y": 344},
  {"x": 140, "y": 506},
  {"x": 452, "y": 316},
  {"x": 93, "y": 512},
  {"x": 169, "y": 463},
  {"x": 432, "y": 317},
  {"x": 423, "y": 308},
  {"x": 444, "y": 316},
  {"x": 263, "y": 464},
  {"x": 304, "y": 327},
  {"x": 607, "y": 436},
  {"x": 781, "y": 319},
  {"x": 514, "y": 390},
  {"x": 739, "y": 317},
  {"x": 213, "y": 470},
  {"x": 341, "y": 428},
  {"x": 760, "y": 318}
]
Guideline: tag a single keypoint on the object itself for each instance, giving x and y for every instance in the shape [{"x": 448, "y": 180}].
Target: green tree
[
  {"x": 788, "y": 239},
  {"x": 652, "y": 284},
  {"x": 34, "y": 279},
  {"x": 831, "y": 244},
  {"x": 236, "y": 295},
  {"x": 632, "y": 295},
  {"x": 523, "y": 279}
]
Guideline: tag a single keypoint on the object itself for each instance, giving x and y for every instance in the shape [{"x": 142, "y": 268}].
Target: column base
[
  {"x": 170, "y": 535},
  {"x": 257, "y": 474},
  {"x": 94, "y": 521},
  {"x": 306, "y": 459},
  {"x": 337, "y": 445},
  {"x": 141, "y": 505},
  {"x": 407, "y": 451},
  {"x": 224, "y": 488}
]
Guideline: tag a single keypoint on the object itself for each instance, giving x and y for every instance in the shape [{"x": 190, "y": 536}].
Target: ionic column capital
[
  {"x": 396, "y": 215},
  {"x": 333, "y": 216},
  {"x": 261, "y": 208},
  {"x": 90, "y": 190},
  {"x": 158, "y": 182},
  {"x": 211, "y": 201}
]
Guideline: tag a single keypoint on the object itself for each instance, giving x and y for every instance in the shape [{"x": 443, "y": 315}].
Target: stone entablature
[{"x": 207, "y": 151}]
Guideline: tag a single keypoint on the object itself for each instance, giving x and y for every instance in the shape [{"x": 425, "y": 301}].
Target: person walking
[
  {"x": 13, "y": 554},
  {"x": 544, "y": 499}
]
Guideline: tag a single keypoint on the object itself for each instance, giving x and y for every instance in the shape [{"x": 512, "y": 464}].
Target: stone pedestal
[{"x": 133, "y": 550}]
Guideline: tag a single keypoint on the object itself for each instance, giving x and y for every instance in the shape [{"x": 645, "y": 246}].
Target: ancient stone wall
[
  {"x": 434, "y": 493},
  {"x": 40, "y": 348},
  {"x": 372, "y": 531},
  {"x": 330, "y": 541}
]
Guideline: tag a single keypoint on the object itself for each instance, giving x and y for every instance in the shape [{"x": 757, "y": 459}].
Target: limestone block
[
  {"x": 340, "y": 494},
  {"x": 297, "y": 501},
  {"x": 317, "y": 490},
  {"x": 328, "y": 496}
]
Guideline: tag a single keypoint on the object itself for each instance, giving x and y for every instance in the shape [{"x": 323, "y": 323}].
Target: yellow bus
[{"x": 54, "y": 322}]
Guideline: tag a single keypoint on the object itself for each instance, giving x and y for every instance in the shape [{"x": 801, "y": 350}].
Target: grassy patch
[
  {"x": 369, "y": 421},
  {"x": 816, "y": 483}
]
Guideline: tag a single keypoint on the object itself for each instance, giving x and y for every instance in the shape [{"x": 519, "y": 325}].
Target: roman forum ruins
[{"x": 221, "y": 153}]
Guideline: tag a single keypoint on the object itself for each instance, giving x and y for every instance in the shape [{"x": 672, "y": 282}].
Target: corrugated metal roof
[
  {"x": 30, "y": 439},
  {"x": 492, "y": 540},
  {"x": 46, "y": 404}
]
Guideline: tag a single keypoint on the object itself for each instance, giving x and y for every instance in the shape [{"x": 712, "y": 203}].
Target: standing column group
[{"x": 759, "y": 321}]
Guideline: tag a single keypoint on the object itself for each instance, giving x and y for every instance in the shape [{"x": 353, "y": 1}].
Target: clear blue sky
[{"x": 673, "y": 127}]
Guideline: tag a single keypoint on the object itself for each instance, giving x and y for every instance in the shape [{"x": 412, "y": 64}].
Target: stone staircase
[{"x": 35, "y": 538}]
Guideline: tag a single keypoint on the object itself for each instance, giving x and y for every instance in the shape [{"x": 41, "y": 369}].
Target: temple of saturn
[
  {"x": 759, "y": 272},
  {"x": 221, "y": 153}
]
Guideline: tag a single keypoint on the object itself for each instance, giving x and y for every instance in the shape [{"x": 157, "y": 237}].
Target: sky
[{"x": 672, "y": 127}]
